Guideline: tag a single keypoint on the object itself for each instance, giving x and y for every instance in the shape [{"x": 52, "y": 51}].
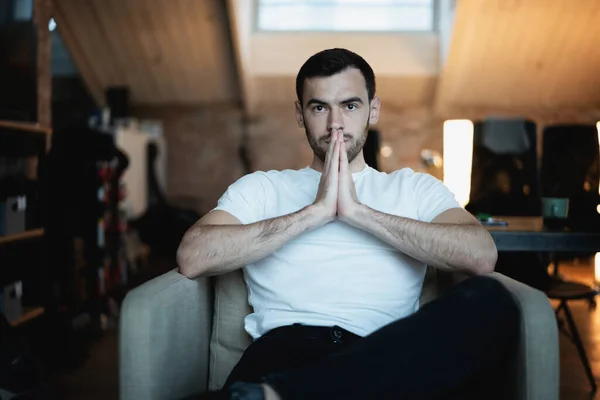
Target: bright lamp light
[
  {"x": 598, "y": 129},
  {"x": 458, "y": 157},
  {"x": 597, "y": 257}
]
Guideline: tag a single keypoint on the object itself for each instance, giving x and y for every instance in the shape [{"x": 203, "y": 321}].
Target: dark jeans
[{"x": 457, "y": 346}]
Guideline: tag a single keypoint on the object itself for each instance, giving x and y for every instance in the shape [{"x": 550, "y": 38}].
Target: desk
[{"x": 528, "y": 234}]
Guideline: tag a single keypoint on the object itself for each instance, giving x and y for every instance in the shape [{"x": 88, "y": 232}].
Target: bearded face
[{"x": 354, "y": 142}]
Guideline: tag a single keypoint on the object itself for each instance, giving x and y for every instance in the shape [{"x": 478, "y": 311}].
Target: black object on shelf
[
  {"x": 84, "y": 168},
  {"x": 117, "y": 98},
  {"x": 19, "y": 197}
]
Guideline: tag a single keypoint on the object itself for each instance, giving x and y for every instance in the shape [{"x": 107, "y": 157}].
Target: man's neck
[{"x": 357, "y": 165}]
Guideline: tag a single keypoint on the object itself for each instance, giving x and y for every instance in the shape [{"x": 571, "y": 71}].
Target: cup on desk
[{"x": 555, "y": 211}]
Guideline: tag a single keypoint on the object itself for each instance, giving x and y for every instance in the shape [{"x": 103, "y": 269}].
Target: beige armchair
[{"x": 179, "y": 336}]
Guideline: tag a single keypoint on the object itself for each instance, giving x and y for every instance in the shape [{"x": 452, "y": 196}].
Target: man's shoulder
[
  {"x": 280, "y": 174},
  {"x": 402, "y": 175},
  {"x": 272, "y": 176},
  {"x": 410, "y": 174},
  {"x": 405, "y": 179}
]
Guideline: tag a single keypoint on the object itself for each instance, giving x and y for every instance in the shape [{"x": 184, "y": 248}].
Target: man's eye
[
  {"x": 351, "y": 107},
  {"x": 318, "y": 108}
]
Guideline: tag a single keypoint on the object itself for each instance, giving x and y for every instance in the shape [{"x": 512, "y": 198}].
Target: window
[{"x": 346, "y": 15}]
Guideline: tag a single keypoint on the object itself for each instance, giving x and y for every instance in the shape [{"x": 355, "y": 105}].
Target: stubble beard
[{"x": 320, "y": 145}]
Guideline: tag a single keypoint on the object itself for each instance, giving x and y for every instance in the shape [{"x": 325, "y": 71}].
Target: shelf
[
  {"x": 25, "y": 126},
  {"x": 28, "y": 315},
  {"x": 22, "y": 235}
]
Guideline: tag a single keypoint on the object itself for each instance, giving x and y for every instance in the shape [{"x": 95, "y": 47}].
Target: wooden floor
[{"x": 98, "y": 379}]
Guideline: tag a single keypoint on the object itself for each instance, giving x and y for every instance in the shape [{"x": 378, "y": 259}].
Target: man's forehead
[{"x": 345, "y": 84}]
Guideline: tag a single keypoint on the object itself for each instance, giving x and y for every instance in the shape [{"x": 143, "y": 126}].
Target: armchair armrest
[
  {"x": 164, "y": 336},
  {"x": 536, "y": 373}
]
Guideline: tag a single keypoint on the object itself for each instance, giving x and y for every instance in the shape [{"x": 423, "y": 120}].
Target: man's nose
[{"x": 335, "y": 121}]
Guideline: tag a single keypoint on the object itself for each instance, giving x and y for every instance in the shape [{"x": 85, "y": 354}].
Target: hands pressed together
[{"x": 336, "y": 196}]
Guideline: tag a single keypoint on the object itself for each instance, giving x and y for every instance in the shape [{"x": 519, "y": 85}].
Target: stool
[{"x": 565, "y": 291}]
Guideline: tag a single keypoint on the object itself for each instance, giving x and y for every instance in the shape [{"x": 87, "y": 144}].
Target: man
[{"x": 335, "y": 255}]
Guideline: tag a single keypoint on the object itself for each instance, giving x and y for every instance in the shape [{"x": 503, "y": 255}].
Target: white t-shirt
[{"x": 335, "y": 274}]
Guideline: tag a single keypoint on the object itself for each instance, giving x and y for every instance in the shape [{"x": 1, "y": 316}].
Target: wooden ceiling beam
[{"x": 240, "y": 14}]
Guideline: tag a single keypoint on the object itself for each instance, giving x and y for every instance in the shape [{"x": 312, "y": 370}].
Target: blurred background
[{"x": 123, "y": 121}]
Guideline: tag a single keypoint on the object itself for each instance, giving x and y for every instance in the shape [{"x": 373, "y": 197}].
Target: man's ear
[
  {"x": 299, "y": 116},
  {"x": 374, "y": 111}
]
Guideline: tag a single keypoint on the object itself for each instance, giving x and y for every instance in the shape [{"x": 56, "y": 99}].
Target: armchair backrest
[{"x": 229, "y": 339}]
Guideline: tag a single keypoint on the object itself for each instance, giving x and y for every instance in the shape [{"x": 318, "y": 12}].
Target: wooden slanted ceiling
[
  {"x": 240, "y": 28},
  {"x": 536, "y": 58},
  {"x": 166, "y": 52}
]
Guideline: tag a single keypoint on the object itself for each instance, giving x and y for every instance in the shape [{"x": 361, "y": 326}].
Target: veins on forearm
[
  {"x": 270, "y": 228},
  {"x": 445, "y": 245}
]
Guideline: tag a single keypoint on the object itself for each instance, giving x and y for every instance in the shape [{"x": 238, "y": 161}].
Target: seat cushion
[{"x": 229, "y": 338}]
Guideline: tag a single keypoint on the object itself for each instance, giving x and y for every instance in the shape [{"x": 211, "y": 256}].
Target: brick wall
[
  {"x": 203, "y": 145},
  {"x": 202, "y": 156}
]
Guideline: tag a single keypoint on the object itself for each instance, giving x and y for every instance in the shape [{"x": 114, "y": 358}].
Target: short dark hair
[{"x": 330, "y": 62}]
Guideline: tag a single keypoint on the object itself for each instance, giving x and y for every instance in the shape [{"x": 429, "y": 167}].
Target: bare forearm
[
  {"x": 452, "y": 247},
  {"x": 216, "y": 249}
]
